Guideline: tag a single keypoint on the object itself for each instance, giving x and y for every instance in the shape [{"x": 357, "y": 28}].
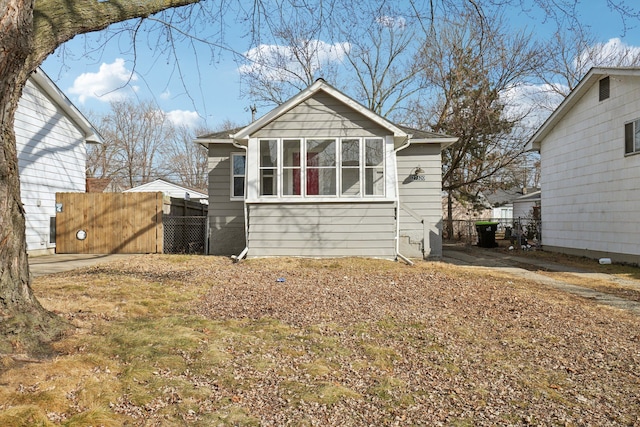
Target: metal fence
[
  {"x": 517, "y": 231},
  {"x": 185, "y": 234}
]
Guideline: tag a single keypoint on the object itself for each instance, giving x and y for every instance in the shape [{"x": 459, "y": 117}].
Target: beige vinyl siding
[
  {"x": 226, "y": 216},
  {"x": 322, "y": 230},
  {"x": 423, "y": 198},
  {"x": 321, "y": 115}
]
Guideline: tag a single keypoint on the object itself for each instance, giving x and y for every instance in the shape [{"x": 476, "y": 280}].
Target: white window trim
[
  {"x": 252, "y": 181},
  {"x": 635, "y": 125},
  {"x": 231, "y": 186}
]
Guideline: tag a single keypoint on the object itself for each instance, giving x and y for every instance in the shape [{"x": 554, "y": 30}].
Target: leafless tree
[
  {"x": 380, "y": 57},
  {"x": 469, "y": 66},
  {"x": 135, "y": 134},
  {"x": 292, "y": 56},
  {"x": 185, "y": 162}
]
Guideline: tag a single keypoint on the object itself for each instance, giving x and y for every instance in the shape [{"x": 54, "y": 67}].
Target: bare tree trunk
[
  {"x": 449, "y": 216},
  {"x": 25, "y": 325}
]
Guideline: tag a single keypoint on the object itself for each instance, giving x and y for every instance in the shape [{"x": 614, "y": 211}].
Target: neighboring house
[
  {"x": 590, "y": 168},
  {"x": 524, "y": 207},
  {"x": 170, "y": 189},
  {"x": 178, "y": 200},
  {"x": 51, "y": 138},
  {"x": 322, "y": 176}
]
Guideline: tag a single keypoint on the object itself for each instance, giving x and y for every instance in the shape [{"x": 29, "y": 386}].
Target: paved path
[
  {"x": 49, "y": 264},
  {"x": 522, "y": 266}
]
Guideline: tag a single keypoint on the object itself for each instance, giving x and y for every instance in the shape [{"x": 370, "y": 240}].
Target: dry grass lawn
[{"x": 193, "y": 340}]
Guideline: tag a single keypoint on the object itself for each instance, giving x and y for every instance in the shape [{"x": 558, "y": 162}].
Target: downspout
[
  {"x": 246, "y": 212},
  {"x": 398, "y": 254}
]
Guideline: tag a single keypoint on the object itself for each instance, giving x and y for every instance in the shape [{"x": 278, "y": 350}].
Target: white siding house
[
  {"x": 590, "y": 168},
  {"x": 322, "y": 176},
  {"x": 50, "y": 139}
]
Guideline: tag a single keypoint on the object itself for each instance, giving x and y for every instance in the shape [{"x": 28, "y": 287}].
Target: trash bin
[
  {"x": 507, "y": 233},
  {"x": 486, "y": 234}
]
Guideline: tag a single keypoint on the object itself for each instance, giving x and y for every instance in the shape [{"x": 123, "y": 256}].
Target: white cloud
[
  {"x": 613, "y": 53},
  {"x": 533, "y": 102},
  {"x": 111, "y": 83},
  {"x": 186, "y": 118},
  {"x": 396, "y": 23},
  {"x": 277, "y": 62}
]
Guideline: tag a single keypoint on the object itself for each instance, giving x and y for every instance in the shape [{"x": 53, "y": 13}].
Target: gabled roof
[
  {"x": 591, "y": 78},
  {"x": 317, "y": 86},
  {"x": 401, "y": 133},
  {"x": 168, "y": 188},
  {"x": 41, "y": 80}
]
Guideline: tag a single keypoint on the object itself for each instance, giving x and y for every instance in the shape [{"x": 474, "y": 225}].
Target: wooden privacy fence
[{"x": 109, "y": 223}]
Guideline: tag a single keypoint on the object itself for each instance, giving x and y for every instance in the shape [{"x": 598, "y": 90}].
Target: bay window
[{"x": 322, "y": 167}]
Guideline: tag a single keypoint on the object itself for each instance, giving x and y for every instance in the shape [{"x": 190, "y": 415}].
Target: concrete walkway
[
  {"x": 49, "y": 264},
  {"x": 522, "y": 266}
]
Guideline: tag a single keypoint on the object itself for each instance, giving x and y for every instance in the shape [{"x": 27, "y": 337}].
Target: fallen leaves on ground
[{"x": 347, "y": 342}]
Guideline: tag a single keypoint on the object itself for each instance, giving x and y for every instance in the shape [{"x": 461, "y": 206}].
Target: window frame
[
  {"x": 632, "y": 137},
  {"x": 604, "y": 88},
  {"x": 286, "y": 171},
  {"x": 234, "y": 176}
]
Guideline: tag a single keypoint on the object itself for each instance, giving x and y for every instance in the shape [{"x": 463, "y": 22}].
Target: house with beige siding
[
  {"x": 590, "y": 168},
  {"x": 322, "y": 176}
]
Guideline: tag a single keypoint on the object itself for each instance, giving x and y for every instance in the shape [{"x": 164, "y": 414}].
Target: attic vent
[{"x": 604, "y": 89}]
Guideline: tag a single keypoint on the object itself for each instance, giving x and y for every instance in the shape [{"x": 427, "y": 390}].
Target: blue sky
[{"x": 211, "y": 91}]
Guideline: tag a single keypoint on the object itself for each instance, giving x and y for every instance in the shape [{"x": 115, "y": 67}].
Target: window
[
  {"x": 269, "y": 167},
  {"x": 291, "y": 167},
  {"x": 350, "y": 167},
  {"x": 374, "y": 167},
  {"x": 603, "y": 89},
  {"x": 322, "y": 167},
  {"x": 238, "y": 167},
  {"x": 632, "y": 137}
]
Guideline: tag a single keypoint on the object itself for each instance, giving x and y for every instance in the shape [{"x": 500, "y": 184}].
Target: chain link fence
[
  {"x": 185, "y": 234},
  {"x": 520, "y": 231}
]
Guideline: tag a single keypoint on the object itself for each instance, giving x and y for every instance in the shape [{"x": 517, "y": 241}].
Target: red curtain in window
[{"x": 313, "y": 176}]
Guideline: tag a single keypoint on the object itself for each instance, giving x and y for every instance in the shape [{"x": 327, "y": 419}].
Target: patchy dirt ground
[{"x": 339, "y": 342}]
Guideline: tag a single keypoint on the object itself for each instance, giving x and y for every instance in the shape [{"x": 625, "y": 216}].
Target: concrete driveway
[
  {"x": 519, "y": 265},
  {"x": 49, "y": 264}
]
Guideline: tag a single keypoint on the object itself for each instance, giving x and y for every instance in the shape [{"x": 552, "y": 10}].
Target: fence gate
[
  {"x": 185, "y": 234},
  {"x": 107, "y": 223}
]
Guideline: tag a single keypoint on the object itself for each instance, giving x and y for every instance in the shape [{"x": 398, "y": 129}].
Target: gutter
[
  {"x": 398, "y": 254},
  {"x": 246, "y": 212}
]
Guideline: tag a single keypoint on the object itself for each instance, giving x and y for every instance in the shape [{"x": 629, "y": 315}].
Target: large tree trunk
[
  {"x": 27, "y": 37},
  {"x": 25, "y": 325}
]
